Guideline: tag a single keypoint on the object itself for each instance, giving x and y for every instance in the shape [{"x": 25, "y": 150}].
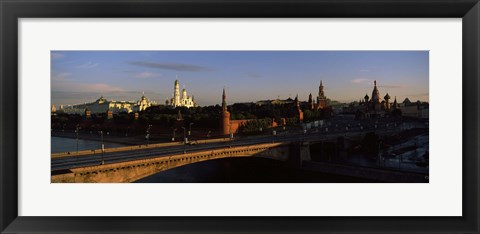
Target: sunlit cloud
[
  {"x": 85, "y": 87},
  {"x": 88, "y": 65},
  {"x": 171, "y": 66},
  {"x": 146, "y": 74},
  {"x": 62, "y": 76},
  {"x": 361, "y": 80}
]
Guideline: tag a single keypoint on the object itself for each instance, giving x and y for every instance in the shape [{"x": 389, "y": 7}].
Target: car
[{"x": 192, "y": 143}]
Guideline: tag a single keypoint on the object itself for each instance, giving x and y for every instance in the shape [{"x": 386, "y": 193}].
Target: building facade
[
  {"x": 181, "y": 101},
  {"x": 103, "y": 105}
]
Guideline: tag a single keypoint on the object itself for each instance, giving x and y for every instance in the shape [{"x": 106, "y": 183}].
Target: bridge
[
  {"x": 129, "y": 165},
  {"x": 130, "y": 171}
]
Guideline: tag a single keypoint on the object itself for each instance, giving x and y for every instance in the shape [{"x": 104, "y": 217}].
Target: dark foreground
[{"x": 245, "y": 170}]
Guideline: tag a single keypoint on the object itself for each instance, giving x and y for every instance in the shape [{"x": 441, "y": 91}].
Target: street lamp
[
  {"x": 379, "y": 155},
  {"x": 184, "y": 141},
  {"x": 147, "y": 136},
  {"x": 231, "y": 139},
  {"x": 190, "y": 128},
  {"x": 76, "y": 131},
  {"x": 103, "y": 147}
]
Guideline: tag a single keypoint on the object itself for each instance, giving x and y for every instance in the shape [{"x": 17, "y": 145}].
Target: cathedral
[
  {"x": 375, "y": 104},
  {"x": 184, "y": 100}
]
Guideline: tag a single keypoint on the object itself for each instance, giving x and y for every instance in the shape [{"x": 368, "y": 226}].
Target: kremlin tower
[
  {"x": 299, "y": 112},
  {"x": 321, "y": 99}
]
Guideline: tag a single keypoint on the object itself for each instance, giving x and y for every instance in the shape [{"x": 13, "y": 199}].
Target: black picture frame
[{"x": 11, "y": 11}]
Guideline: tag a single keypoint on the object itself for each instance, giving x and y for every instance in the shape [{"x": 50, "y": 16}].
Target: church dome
[{"x": 386, "y": 97}]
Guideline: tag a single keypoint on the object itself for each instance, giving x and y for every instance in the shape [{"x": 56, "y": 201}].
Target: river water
[
  {"x": 63, "y": 144},
  {"x": 244, "y": 170}
]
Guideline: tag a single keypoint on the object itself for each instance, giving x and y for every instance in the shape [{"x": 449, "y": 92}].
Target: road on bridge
[{"x": 122, "y": 156}]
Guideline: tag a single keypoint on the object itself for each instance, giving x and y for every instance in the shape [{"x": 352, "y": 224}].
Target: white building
[
  {"x": 101, "y": 105},
  {"x": 184, "y": 100}
]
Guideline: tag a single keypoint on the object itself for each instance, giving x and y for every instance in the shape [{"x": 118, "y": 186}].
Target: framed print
[{"x": 278, "y": 116}]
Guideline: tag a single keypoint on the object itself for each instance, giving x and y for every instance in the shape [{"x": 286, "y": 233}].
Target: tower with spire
[
  {"x": 321, "y": 99},
  {"x": 310, "y": 102},
  {"x": 298, "y": 111},
  {"x": 376, "y": 105},
  {"x": 176, "y": 93},
  {"x": 225, "y": 115}
]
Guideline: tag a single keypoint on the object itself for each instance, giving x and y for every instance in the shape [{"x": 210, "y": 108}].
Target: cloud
[
  {"x": 88, "y": 65},
  {"x": 56, "y": 55},
  {"x": 171, "y": 66},
  {"x": 70, "y": 86},
  {"x": 393, "y": 86},
  {"x": 61, "y": 76},
  {"x": 360, "y": 80},
  {"x": 146, "y": 74}
]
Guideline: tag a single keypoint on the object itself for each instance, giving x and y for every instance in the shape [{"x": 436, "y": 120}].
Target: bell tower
[{"x": 225, "y": 115}]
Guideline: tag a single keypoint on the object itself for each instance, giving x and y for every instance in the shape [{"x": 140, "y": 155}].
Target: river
[
  {"x": 244, "y": 170},
  {"x": 63, "y": 144}
]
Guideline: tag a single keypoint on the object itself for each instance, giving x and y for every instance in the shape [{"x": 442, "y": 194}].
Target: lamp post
[
  {"x": 184, "y": 141},
  {"x": 103, "y": 147},
  {"x": 304, "y": 132},
  {"x": 76, "y": 132},
  {"x": 147, "y": 134},
  {"x": 273, "y": 134},
  {"x": 231, "y": 136},
  {"x": 379, "y": 155},
  {"x": 174, "y": 130},
  {"x": 190, "y": 129}
]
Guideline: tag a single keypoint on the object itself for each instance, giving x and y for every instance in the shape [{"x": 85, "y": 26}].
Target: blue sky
[{"x": 82, "y": 76}]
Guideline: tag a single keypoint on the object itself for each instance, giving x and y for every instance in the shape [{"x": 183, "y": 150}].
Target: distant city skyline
[{"x": 248, "y": 76}]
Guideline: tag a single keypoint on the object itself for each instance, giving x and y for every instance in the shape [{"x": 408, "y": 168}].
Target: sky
[{"x": 247, "y": 76}]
